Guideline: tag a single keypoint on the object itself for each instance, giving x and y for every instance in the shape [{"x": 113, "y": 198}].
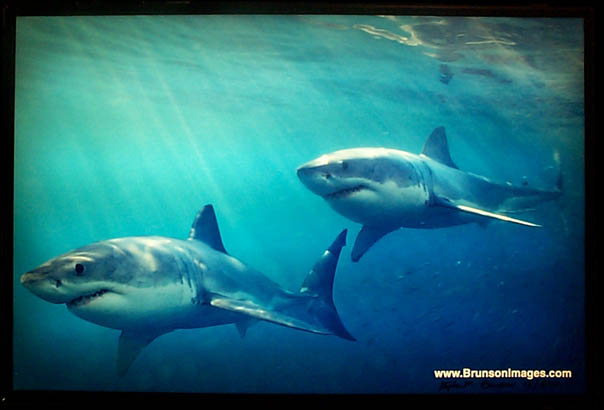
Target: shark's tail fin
[{"x": 318, "y": 284}]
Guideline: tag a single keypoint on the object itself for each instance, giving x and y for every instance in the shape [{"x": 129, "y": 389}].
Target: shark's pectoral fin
[
  {"x": 243, "y": 325},
  {"x": 483, "y": 213},
  {"x": 130, "y": 345},
  {"x": 366, "y": 238},
  {"x": 501, "y": 217}
]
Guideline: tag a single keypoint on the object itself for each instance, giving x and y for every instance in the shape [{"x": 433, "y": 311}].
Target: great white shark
[
  {"x": 386, "y": 189},
  {"x": 149, "y": 286}
]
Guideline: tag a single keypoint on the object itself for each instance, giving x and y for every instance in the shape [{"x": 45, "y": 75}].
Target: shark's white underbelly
[
  {"x": 389, "y": 205},
  {"x": 172, "y": 306}
]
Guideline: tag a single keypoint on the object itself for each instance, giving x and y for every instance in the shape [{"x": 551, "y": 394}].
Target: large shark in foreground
[
  {"x": 386, "y": 189},
  {"x": 149, "y": 286}
]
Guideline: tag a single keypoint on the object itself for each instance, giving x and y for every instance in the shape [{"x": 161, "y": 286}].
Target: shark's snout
[
  {"x": 308, "y": 169},
  {"x": 35, "y": 277},
  {"x": 309, "y": 172},
  {"x": 335, "y": 177},
  {"x": 44, "y": 286},
  {"x": 303, "y": 172},
  {"x": 318, "y": 179},
  {"x": 30, "y": 278},
  {"x": 314, "y": 168}
]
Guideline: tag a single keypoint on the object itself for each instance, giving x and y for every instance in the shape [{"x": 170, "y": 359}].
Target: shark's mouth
[
  {"x": 85, "y": 299},
  {"x": 343, "y": 193}
]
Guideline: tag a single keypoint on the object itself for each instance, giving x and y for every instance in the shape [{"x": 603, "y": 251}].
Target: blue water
[{"x": 129, "y": 125}]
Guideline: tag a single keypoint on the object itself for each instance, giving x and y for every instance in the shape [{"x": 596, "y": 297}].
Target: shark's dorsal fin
[
  {"x": 437, "y": 148},
  {"x": 130, "y": 345},
  {"x": 365, "y": 240},
  {"x": 205, "y": 229}
]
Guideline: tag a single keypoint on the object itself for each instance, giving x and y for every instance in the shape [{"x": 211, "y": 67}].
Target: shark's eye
[
  {"x": 344, "y": 165},
  {"x": 79, "y": 268}
]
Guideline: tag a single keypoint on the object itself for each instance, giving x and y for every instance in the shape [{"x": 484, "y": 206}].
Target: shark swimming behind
[
  {"x": 386, "y": 189},
  {"x": 150, "y": 286}
]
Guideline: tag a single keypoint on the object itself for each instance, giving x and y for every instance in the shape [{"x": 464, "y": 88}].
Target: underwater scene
[{"x": 128, "y": 126}]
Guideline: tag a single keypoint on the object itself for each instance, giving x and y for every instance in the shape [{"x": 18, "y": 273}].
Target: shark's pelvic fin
[
  {"x": 130, "y": 345},
  {"x": 243, "y": 326},
  {"x": 437, "y": 148},
  {"x": 205, "y": 229},
  {"x": 365, "y": 240}
]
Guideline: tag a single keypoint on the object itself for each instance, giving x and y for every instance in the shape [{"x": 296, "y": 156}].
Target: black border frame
[{"x": 586, "y": 11}]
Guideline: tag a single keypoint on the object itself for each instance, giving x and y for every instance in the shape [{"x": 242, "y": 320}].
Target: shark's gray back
[{"x": 195, "y": 265}]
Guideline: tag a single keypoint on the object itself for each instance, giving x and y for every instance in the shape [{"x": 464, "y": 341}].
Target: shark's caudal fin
[
  {"x": 311, "y": 310},
  {"x": 319, "y": 284},
  {"x": 437, "y": 148}
]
